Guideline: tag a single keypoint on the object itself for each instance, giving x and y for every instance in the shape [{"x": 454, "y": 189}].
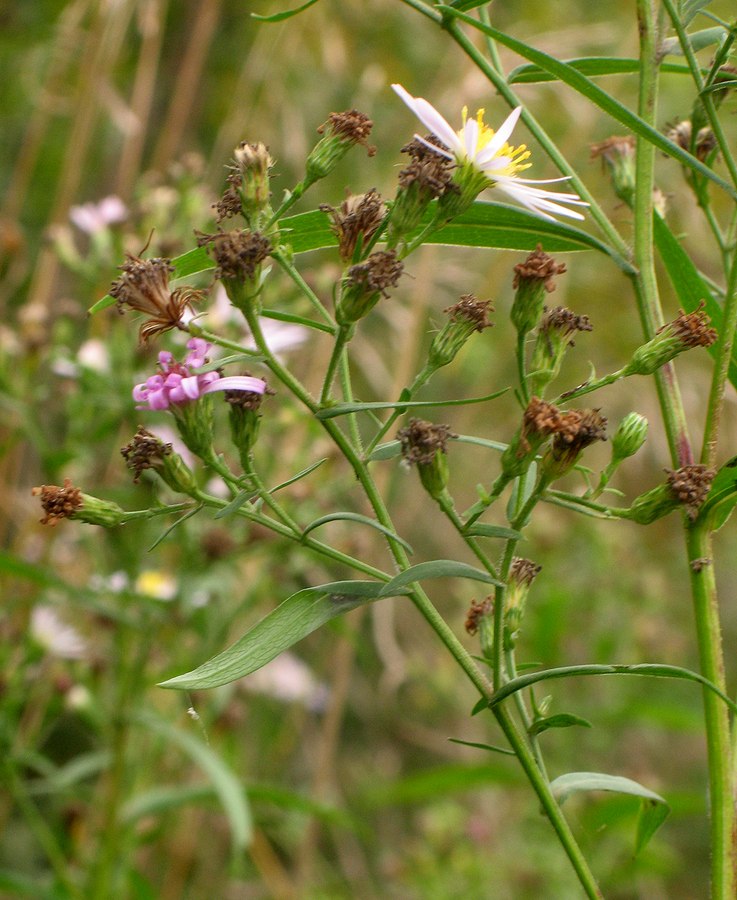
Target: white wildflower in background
[
  {"x": 290, "y": 680},
  {"x": 480, "y": 150},
  {"x": 55, "y": 636}
]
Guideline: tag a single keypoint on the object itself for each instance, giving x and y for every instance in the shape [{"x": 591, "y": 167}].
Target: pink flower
[
  {"x": 94, "y": 217},
  {"x": 176, "y": 384}
]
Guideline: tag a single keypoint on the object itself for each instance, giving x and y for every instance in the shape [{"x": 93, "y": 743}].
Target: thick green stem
[{"x": 718, "y": 740}]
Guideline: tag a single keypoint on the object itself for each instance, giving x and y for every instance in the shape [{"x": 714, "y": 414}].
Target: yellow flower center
[{"x": 517, "y": 156}]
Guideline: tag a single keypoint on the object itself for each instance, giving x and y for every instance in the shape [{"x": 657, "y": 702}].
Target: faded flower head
[
  {"x": 68, "y": 502},
  {"x": 144, "y": 287},
  {"x": 464, "y": 318},
  {"x": 91, "y": 218},
  {"x": 238, "y": 253},
  {"x": 340, "y": 132},
  {"x": 365, "y": 283},
  {"x": 687, "y": 330},
  {"x": 248, "y": 189},
  {"x": 618, "y": 155},
  {"x": 577, "y": 429},
  {"x": 685, "y": 487},
  {"x": 356, "y": 221},
  {"x": 553, "y": 339},
  {"x": 424, "y": 445},
  {"x": 533, "y": 278},
  {"x": 485, "y": 158}
]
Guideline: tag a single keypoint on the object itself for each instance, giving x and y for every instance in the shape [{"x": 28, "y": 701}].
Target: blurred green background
[{"x": 342, "y": 751}]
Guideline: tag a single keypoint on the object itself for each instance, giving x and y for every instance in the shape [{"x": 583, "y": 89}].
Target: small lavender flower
[{"x": 177, "y": 384}]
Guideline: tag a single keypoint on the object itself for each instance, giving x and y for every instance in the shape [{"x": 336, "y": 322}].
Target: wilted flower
[{"x": 486, "y": 160}]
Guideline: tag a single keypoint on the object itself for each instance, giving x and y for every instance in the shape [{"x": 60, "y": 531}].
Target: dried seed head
[
  {"x": 421, "y": 440},
  {"x": 578, "y": 428},
  {"x": 145, "y": 451},
  {"x": 238, "y": 254},
  {"x": 365, "y": 283},
  {"x": 356, "y": 219},
  {"x": 532, "y": 279},
  {"x": 686, "y": 331},
  {"x": 144, "y": 287},
  {"x": 58, "y": 502},
  {"x": 618, "y": 155},
  {"x": 690, "y": 485},
  {"x": 341, "y": 131},
  {"x": 464, "y": 318}
]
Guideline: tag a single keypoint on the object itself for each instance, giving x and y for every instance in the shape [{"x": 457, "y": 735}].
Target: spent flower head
[
  {"x": 365, "y": 283},
  {"x": 424, "y": 445},
  {"x": 68, "y": 502},
  {"x": 485, "y": 159},
  {"x": 464, "y": 318},
  {"x": 533, "y": 278},
  {"x": 340, "y": 132},
  {"x": 687, "y": 330},
  {"x": 356, "y": 221},
  {"x": 144, "y": 287}
]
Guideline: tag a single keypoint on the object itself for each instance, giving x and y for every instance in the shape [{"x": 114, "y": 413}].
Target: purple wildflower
[{"x": 176, "y": 384}]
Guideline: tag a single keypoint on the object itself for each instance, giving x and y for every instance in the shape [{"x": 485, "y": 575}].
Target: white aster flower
[
  {"x": 55, "y": 636},
  {"x": 478, "y": 147}
]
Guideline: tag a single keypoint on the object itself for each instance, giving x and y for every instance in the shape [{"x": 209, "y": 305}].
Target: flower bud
[
  {"x": 533, "y": 278},
  {"x": 687, "y": 330},
  {"x": 252, "y": 163},
  {"x": 629, "y": 436}
]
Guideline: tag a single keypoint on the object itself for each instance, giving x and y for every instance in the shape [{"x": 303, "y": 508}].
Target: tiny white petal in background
[
  {"x": 93, "y": 354},
  {"x": 289, "y": 679},
  {"x": 55, "y": 636},
  {"x": 93, "y": 217}
]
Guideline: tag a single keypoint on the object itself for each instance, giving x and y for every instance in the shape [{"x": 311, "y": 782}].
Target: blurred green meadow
[{"x": 329, "y": 774}]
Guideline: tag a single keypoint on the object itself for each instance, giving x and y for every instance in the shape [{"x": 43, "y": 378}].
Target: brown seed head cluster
[
  {"x": 469, "y": 309},
  {"x": 538, "y": 267},
  {"x": 692, "y": 329},
  {"x": 351, "y": 126},
  {"x": 381, "y": 271},
  {"x": 540, "y": 420},
  {"x": 431, "y": 172},
  {"x": 690, "y": 485},
  {"x": 564, "y": 321},
  {"x": 577, "y": 430},
  {"x": 144, "y": 287},
  {"x": 476, "y": 612},
  {"x": 58, "y": 502},
  {"x": 144, "y": 451},
  {"x": 421, "y": 440},
  {"x": 357, "y": 217},
  {"x": 237, "y": 253}
]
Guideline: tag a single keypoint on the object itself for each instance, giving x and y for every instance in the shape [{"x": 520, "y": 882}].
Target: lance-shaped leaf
[
  {"x": 436, "y": 568},
  {"x": 298, "y": 616},
  {"x": 653, "y": 808}
]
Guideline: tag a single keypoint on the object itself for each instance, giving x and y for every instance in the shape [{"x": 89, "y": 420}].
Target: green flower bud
[
  {"x": 244, "y": 421},
  {"x": 630, "y": 435},
  {"x": 533, "y": 278}
]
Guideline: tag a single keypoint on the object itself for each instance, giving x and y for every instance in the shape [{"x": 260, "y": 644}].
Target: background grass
[{"x": 354, "y": 789}]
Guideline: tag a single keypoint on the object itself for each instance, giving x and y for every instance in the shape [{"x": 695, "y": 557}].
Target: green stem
[
  {"x": 718, "y": 742},
  {"x": 297, "y": 278},
  {"x": 422, "y": 378},
  {"x": 344, "y": 335},
  {"x": 721, "y": 369}
]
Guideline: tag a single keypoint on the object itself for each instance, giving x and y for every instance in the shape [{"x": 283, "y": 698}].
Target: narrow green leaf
[
  {"x": 480, "y": 529},
  {"x": 561, "y": 720},
  {"x": 690, "y": 8},
  {"x": 344, "y": 409},
  {"x": 595, "y": 94},
  {"x": 592, "y": 67},
  {"x": 297, "y": 320},
  {"x": 286, "y": 14},
  {"x": 653, "y": 670},
  {"x": 227, "y": 786},
  {"x": 653, "y": 808},
  {"x": 295, "y": 618},
  {"x": 386, "y": 451},
  {"x": 299, "y": 475},
  {"x": 481, "y": 442},
  {"x": 234, "y": 505},
  {"x": 688, "y": 284},
  {"x": 698, "y": 40},
  {"x": 468, "y": 4},
  {"x": 722, "y": 496},
  {"x": 491, "y": 747},
  {"x": 364, "y": 520},
  {"x": 436, "y": 568}
]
